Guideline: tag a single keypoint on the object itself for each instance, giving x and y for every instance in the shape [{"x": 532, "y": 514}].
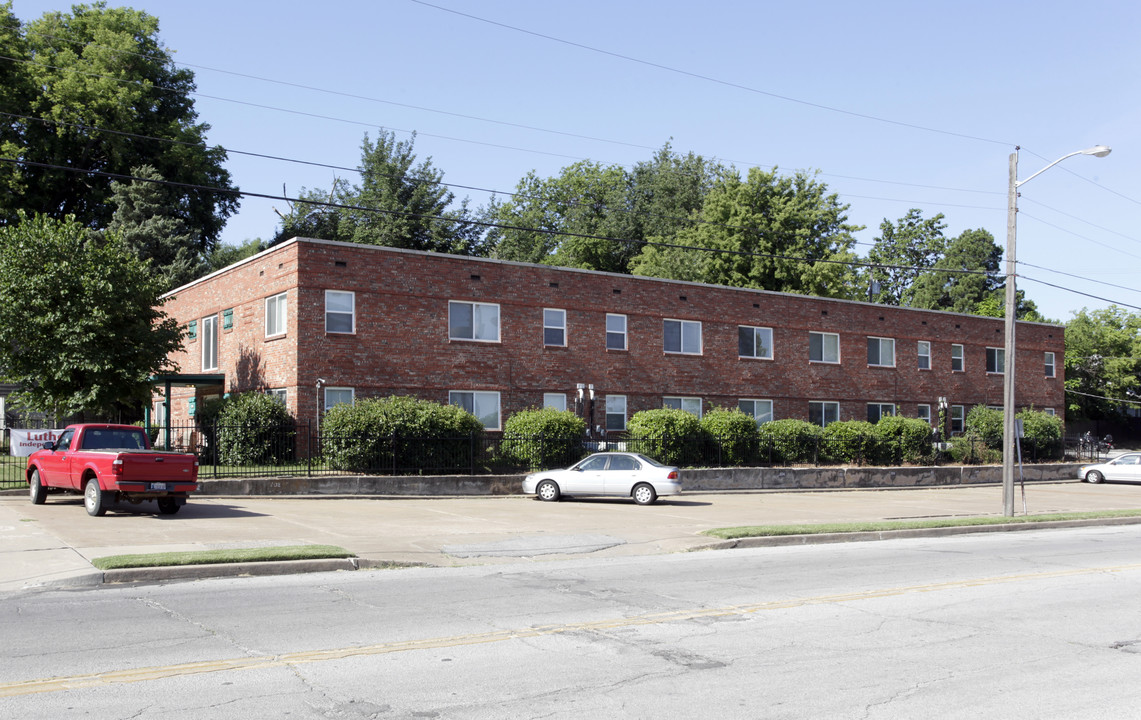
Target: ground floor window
[
  {"x": 484, "y": 405},
  {"x": 691, "y": 405},
  {"x": 555, "y": 401},
  {"x": 924, "y": 413},
  {"x": 338, "y": 396},
  {"x": 879, "y": 410},
  {"x": 821, "y": 413},
  {"x": 957, "y": 419},
  {"x": 759, "y": 410},
  {"x": 615, "y": 413}
]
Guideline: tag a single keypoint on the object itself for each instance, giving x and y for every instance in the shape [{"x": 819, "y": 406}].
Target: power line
[
  {"x": 1078, "y": 292},
  {"x": 1079, "y": 277},
  {"x": 1103, "y": 397}
]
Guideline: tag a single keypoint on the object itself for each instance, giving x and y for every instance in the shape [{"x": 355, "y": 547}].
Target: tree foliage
[
  {"x": 81, "y": 325},
  {"x": 902, "y": 252},
  {"x": 1103, "y": 360},
  {"x": 105, "y": 96}
]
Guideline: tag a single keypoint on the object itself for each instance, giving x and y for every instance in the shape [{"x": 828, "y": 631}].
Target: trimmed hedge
[
  {"x": 735, "y": 433},
  {"x": 543, "y": 438},
  {"x": 253, "y": 429},
  {"x": 791, "y": 441},
  {"x": 668, "y": 435}
]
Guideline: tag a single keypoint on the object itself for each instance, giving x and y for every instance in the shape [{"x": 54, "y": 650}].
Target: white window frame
[
  {"x": 351, "y": 312},
  {"x": 352, "y": 394},
  {"x": 555, "y": 319},
  {"x": 823, "y": 347},
  {"x": 558, "y": 401},
  {"x": 456, "y": 397},
  {"x": 684, "y": 347},
  {"x": 478, "y": 323},
  {"x": 880, "y": 343},
  {"x": 880, "y": 410},
  {"x": 825, "y": 406},
  {"x": 612, "y": 333},
  {"x": 923, "y": 351},
  {"x": 958, "y": 417},
  {"x": 612, "y": 405},
  {"x": 209, "y": 333},
  {"x": 767, "y": 344},
  {"x": 959, "y": 357},
  {"x": 924, "y": 413},
  {"x": 999, "y": 357},
  {"x": 279, "y": 394},
  {"x": 276, "y": 314},
  {"x": 1049, "y": 411},
  {"x": 691, "y": 405},
  {"x": 1051, "y": 364},
  {"x": 750, "y": 407}
]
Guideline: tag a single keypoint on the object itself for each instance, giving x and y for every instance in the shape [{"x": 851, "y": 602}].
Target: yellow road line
[{"x": 117, "y": 677}]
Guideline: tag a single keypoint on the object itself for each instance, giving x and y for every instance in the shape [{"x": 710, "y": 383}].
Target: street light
[{"x": 1008, "y": 438}]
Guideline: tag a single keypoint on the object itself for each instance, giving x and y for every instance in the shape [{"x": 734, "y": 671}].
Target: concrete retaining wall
[{"x": 702, "y": 480}]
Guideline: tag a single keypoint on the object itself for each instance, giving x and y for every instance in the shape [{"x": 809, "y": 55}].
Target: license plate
[{"x": 158, "y": 486}]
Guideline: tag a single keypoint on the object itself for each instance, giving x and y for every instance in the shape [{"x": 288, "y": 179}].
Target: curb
[{"x": 245, "y": 569}]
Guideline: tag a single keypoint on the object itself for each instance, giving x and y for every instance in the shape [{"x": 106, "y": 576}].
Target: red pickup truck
[{"x": 108, "y": 463}]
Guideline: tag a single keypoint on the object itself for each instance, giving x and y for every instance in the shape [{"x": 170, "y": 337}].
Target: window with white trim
[
  {"x": 924, "y": 413},
  {"x": 340, "y": 311},
  {"x": 956, "y": 358},
  {"x": 275, "y": 314},
  {"x": 279, "y": 394},
  {"x": 1049, "y": 411},
  {"x": 615, "y": 412},
  {"x": 210, "y": 343},
  {"x": 880, "y": 410},
  {"x": 484, "y": 405},
  {"x": 1050, "y": 368},
  {"x": 881, "y": 352},
  {"x": 473, "y": 321},
  {"x": 555, "y": 401},
  {"x": 682, "y": 336},
  {"x": 338, "y": 396},
  {"x": 924, "y": 351},
  {"x": 958, "y": 417},
  {"x": 554, "y": 327},
  {"x": 995, "y": 361},
  {"x": 754, "y": 342},
  {"x": 824, "y": 347},
  {"x": 615, "y": 333},
  {"x": 691, "y": 405},
  {"x": 823, "y": 412},
  {"x": 759, "y": 410}
]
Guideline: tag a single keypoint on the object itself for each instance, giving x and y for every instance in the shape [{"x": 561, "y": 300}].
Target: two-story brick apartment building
[{"x": 318, "y": 323}]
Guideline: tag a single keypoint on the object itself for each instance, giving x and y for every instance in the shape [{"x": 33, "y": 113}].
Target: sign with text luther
[{"x": 26, "y": 442}]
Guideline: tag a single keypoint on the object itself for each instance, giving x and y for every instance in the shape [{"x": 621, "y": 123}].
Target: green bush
[
  {"x": 254, "y": 429},
  {"x": 1042, "y": 432},
  {"x": 970, "y": 449},
  {"x": 398, "y": 432},
  {"x": 850, "y": 441},
  {"x": 734, "y": 433},
  {"x": 670, "y": 436},
  {"x": 543, "y": 438},
  {"x": 985, "y": 424},
  {"x": 789, "y": 441},
  {"x": 904, "y": 440}
]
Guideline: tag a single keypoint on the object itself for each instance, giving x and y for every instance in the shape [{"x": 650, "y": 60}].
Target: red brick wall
[{"x": 401, "y": 343}]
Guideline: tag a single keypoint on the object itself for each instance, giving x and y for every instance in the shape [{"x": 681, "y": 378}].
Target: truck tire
[
  {"x": 36, "y": 489},
  {"x": 168, "y": 506},
  {"x": 94, "y": 499}
]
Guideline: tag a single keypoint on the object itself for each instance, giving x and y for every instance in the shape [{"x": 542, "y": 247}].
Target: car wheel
[
  {"x": 548, "y": 491},
  {"x": 36, "y": 489},
  {"x": 94, "y": 499},
  {"x": 1093, "y": 476},
  {"x": 644, "y": 494},
  {"x": 168, "y": 506}
]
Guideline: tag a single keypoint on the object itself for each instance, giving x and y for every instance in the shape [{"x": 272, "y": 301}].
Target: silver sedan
[
  {"x": 1123, "y": 468},
  {"x": 607, "y": 473}
]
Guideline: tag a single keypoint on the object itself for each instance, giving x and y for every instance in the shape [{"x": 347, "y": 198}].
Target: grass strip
[
  {"x": 733, "y": 533},
  {"x": 211, "y": 557}
]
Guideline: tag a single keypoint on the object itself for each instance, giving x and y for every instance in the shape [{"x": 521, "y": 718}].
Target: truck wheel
[
  {"x": 38, "y": 492},
  {"x": 94, "y": 499},
  {"x": 168, "y": 506}
]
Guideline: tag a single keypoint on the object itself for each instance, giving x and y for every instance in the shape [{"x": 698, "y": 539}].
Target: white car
[
  {"x": 607, "y": 473},
  {"x": 1125, "y": 468}
]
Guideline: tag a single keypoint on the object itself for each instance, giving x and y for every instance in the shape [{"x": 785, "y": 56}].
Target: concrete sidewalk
[{"x": 52, "y": 545}]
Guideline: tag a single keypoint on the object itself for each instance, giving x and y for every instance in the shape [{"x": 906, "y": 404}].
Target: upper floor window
[
  {"x": 956, "y": 358},
  {"x": 275, "y": 315},
  {"x": 759, "y": 410},
  {"x": 555, "y": 327},
  {"x": 823, "y": 347},
  {"x": 484, "y": 405},
  {"x": 473, "y": 321},
  {"x": 691, "y": 405},
  {"x": 340, "y": 311},
  {"x": 821, "y": 413},
  {"x": 615, "y": 332},
  {"x": 754, "y": 342},
  {"x": 682, "y": 336},
  {"x": 881, "y": 352},
  {"x": 1050, "y": 370},
  {"x": 995, "y": 360},
  {"x": 555, "y": 401},
  {"x": 924, "y": 355},
  {"x": 210, "y": 343}
]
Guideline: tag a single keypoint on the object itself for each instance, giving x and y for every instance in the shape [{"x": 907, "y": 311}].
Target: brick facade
[{"x": 400, "y": 343}]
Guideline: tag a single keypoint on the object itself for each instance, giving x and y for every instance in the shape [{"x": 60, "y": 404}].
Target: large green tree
[
  {"x": 81, "y": 324},
  {"x": 96, "y": 90},
  {"x": 397, "y": 203},
  {"x": 767, "y": 231},
  {"x": 901, "y": 253},
  {"x": 1103, "y": 360},
  {"x": 966, "y": 274}
]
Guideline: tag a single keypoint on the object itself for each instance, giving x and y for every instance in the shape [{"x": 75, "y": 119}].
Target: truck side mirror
[{"x": 49, "y": 445}]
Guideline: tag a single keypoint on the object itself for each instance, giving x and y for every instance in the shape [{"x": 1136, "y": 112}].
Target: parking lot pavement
[{"x": 53, "y": 544}]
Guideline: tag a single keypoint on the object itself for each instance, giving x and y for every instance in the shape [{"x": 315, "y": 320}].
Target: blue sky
[{"x": 896, "y": 104}]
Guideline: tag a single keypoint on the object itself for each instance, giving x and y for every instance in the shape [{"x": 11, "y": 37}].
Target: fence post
[
  {"x": 308, "y": 448},
  {"x": 471, "y": 454},
  {"x": 214, "y": 449}
]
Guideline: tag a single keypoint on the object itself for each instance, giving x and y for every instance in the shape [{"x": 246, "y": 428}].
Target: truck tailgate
[{"x": 157, "y": 467}]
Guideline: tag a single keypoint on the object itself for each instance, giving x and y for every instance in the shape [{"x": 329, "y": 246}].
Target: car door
[
  {"x": 55, "y": 467},
  {"x": 1126, "y": 468},
  {"x": 589, "y": 476},
  {"x": 621, "y": 474}
]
